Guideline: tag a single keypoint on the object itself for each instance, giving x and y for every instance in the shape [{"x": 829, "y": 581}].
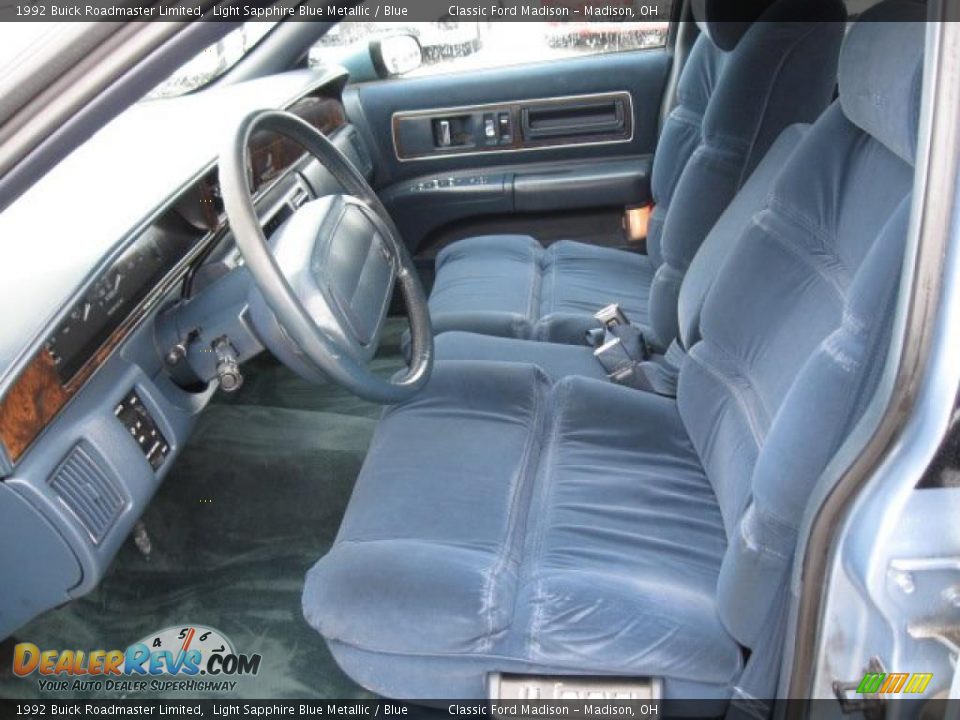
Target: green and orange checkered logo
[{"x": 878, "y": 683}]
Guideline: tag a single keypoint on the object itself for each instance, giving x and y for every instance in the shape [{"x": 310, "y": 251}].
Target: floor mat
[{"x": 253, "y": 501}]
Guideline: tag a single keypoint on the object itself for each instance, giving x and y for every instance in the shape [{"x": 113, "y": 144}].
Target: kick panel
[{"x": 513, "y": 126}]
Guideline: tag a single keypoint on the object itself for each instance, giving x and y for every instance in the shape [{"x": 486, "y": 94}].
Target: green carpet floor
[{"x": 253, "y": 501}]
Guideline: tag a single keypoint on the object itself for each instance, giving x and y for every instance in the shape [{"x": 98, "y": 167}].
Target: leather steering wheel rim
[{"x": 319, "y": 347}]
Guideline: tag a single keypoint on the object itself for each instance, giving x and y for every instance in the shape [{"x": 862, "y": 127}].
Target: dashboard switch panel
[{"x": 135, "y": 417}]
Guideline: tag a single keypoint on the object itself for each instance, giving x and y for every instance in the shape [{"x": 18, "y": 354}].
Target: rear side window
[{"x": 457, "y": 46}]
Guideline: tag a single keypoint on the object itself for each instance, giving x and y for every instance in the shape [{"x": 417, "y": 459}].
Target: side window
[{"x": 460, "y": 46}]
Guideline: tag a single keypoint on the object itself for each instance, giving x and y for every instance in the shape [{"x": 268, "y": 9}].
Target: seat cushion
[
  {"x": 556, "y": 360},
  {"x": 428, "y": 533},
  {"x": 579, "y": 279},
  {"x": 505, "y": 523},
  {"x": 488, "y": 284},
  {"x": 510, "y": 286},
  {"x": 625, "y": 543}
]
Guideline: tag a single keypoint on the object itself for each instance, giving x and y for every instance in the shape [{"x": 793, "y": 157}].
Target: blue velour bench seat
[
  {"x": 511, "y": 286},
  {"x": 559, "y": 360},
  {"x": 741, "y": 86},
  {"x": 509, "y": 521},
  {"x": 537, "y": 538}
]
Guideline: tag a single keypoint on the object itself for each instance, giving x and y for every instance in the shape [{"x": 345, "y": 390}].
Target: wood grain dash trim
[{"x": 31, "y": 403}]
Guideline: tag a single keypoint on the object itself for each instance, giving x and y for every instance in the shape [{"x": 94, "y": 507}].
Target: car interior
[{"x": 425, "y": 385}]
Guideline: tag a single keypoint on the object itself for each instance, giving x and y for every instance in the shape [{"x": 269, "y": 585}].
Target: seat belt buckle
[
  {"x": 621, "y": 366},
  {"x": 619, "y": 346},
  {"x": 614, "y": 357},
  {"x": 611, "y": 317}
]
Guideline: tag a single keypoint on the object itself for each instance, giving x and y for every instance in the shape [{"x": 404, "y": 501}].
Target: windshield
[
  {"x": 213, "y": 61},
  {"x": 18, "y": 40}
]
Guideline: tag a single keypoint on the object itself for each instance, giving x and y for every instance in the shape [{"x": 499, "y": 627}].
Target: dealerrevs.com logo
[{"x": 190, "y": 658}]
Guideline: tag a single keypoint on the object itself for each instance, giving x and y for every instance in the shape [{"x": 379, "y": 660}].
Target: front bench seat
[
  {"x": 506, "y": 523},
  {"x": 741, "y": 86},
  {"x": 559, "y": 360},
  {"x": 509, "y": 531}
]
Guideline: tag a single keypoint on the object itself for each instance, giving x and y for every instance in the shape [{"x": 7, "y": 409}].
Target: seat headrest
[
  {"x": 881, "y": 74},
  {"x": 724, "y": 22}
]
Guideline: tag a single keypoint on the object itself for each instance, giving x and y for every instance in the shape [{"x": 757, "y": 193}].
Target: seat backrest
[
  {"x": 734, "y": 100},
  {"x": 721, "y": 239},
  {"x": 794, "y": 328}
]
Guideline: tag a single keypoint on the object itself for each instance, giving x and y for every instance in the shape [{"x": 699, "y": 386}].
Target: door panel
[
  {"x": 508, "y": 127},
  {"x": 425, "y": 204},
  {"x": 572, "y": 134}
]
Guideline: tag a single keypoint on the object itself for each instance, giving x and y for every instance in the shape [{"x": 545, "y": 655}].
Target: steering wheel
[{"x": 323, "y": 283}]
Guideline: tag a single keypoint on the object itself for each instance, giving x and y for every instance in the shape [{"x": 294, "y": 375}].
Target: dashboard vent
[{"x": 88, "y": 491}]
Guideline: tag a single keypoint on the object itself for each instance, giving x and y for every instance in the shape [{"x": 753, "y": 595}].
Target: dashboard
[
  {"x": 270, "y": 156},
  {"x": 115, "y": 294},
  {"x": 193, "y": 219},
  {"x": 92, "y": 416}
]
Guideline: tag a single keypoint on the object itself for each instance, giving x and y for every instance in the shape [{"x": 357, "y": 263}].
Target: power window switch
[
  {"x": 504, "y": 128},
  {"x": 490, "y": 128}
]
